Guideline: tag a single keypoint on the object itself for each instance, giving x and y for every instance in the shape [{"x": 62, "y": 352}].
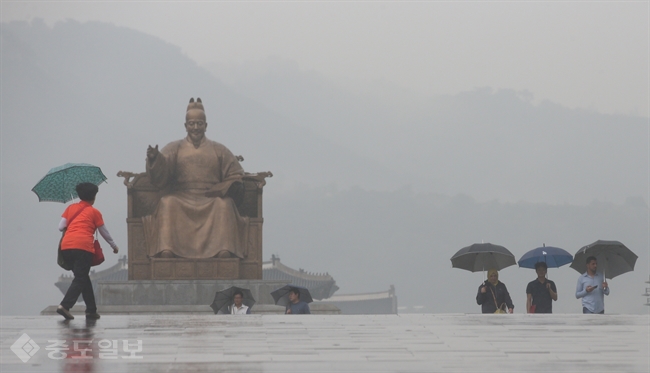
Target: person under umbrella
[
  {"x": 479, "y": 257},
  {"x": 604, "y": 259},
  {"x": 233, "y": 301},
  {"x": 493, "y": 295},
  {"x": 80, "y": 221},
  {"x": 296, "y": 306},
  {"x": 592, "y": 288},
  {"x": 541, "y": 292},
  {"x": 238, "y": 307},
  {"x": 294, "y": 298}
]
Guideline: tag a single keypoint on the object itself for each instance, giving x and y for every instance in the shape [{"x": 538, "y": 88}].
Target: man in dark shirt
[
  {"x": 540, "y": 292},
  {"x": 296, "y": 306}
]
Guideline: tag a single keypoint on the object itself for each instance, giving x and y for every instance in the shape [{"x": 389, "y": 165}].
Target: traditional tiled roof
[
  {"x": 320, "y": 285},
  {"x": 384, "y": 302}
]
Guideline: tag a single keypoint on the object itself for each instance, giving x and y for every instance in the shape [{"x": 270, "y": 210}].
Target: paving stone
[{"x": 342, "y": 343}]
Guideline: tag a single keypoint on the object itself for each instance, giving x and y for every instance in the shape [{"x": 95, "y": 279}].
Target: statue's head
[{"x": 195, "y": 123}]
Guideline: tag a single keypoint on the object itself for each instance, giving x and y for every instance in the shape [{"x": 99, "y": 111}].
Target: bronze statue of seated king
[{"x": 194, "y": 213}]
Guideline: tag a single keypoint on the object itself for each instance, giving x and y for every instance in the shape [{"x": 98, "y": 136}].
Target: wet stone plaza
[{"x": 328, "y": 343}]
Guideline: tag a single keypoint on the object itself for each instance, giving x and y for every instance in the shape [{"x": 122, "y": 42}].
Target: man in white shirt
[
  {"x": 238, "y": 308},
  {"x": 592, "y": 288}
]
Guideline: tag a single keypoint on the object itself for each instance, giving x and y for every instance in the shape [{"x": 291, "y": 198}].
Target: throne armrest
[
  {"x": 143, "y": 196},
  {"x": 259, "y": 177},
  {"x": 253, "y": 186}
]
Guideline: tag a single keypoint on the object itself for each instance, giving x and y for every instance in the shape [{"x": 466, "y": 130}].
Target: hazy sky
[{"x": 580, "y": 54}]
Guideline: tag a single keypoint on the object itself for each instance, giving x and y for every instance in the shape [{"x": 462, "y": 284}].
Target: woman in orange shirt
[{"x": 79, "y": 221}]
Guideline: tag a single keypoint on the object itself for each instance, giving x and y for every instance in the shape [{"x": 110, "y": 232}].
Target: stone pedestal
[
  {"x": 179, "y": 292},
  {"x": 261, "y": 309},
  {"x": 182, "y": 297}
]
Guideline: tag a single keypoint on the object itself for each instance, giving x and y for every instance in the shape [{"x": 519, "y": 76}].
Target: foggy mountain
[
  {"x": 127, "y": 90},
  {"x": 339, "y": 200},
  {"x": 490, "y": 144}
]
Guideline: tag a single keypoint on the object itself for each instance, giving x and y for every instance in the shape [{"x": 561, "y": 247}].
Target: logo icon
[{"x": 25, "y": 347}]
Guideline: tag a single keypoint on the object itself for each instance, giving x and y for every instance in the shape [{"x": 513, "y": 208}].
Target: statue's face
[{"x": 196, "y": 128}]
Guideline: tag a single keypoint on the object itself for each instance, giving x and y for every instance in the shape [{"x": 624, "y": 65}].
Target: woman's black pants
[{"x": 80, "y": 260}]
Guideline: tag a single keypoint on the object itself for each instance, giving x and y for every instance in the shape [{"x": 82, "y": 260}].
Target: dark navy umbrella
[
  {"x": 281, "y": 295},
  {"x": 554, "y": 257}
]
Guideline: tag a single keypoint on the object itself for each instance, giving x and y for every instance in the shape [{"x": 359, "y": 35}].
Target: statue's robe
[{"x": 186, "y": 221}]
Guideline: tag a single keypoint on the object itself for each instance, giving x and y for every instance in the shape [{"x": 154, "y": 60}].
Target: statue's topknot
[
  {"x": 195, "y": 109},
  {"x": 195, "y": 105}
]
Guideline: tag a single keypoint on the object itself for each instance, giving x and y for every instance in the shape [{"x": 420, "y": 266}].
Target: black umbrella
[
  {"x": 482, "y": 256},
  {"x": 613, "y": 258},
  {"x": 281, "y": 295},
  {"x": 224, "y": 299}
]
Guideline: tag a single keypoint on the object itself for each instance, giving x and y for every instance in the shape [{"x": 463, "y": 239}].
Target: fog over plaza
[{"x": 397, "y": 133}]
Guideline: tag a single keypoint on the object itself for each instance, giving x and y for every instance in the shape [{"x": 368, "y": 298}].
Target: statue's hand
[{"x": 152, "y": 153}]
